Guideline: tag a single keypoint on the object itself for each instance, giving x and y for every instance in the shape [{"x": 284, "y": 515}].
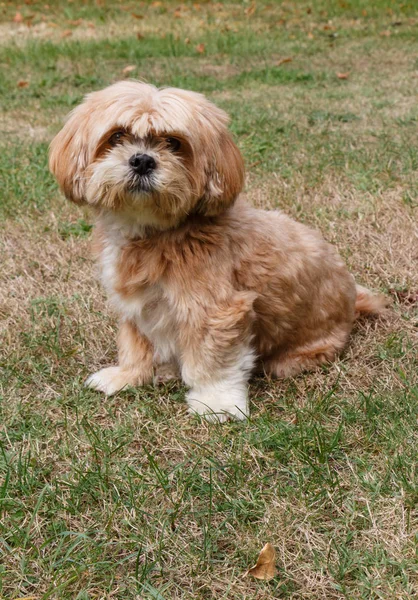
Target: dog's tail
[{"x": 368, "y": 303}]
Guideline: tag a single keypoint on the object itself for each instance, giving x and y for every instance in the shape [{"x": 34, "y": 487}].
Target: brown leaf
[
  {"x": 128, "y": 69},
  {"x": 136, "y": 16},
  {"x": 343, "y": 75},
  {"x": 177, "y": 14},
  {"x": 310, "y": 35},
  {"x": 386, "y": 33},
  {"x": 265, "y": 567},
  {"x": 187, "y": 41},
  {"x": 251, "y": 9},
  {"x": 18, "y": 18},
  {"x": 75, "y": 23},
  {"x": 408, "y": 296},
  {"x": 66, "y": 33},
  {"x": 22, "y": 83},
  {"x": 91, "y": 25},
  {"x": 156, "y": 4},
  {"x": 282, "y": 61},
  {"x": 200, "y": 48},
  {"x": 139, "y": 35}
]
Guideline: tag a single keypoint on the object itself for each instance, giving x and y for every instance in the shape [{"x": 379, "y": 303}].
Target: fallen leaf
[
  {"x": 66, "y": 33},
  {"x": 343, "y": 75},
  {"x": 22, "y": 83},
  {"x": 136, "y": 16},
  {"x": 177, "y": 14},
  {"x": 91, "y": 25},
  {"x": 250, "y": 10},
  {"x": 310, "y": 35},
  {"x": 265, "y": 567},
  {"x": 386, "y": 33},
  {"x": 405, "y": 296},
  {"x": 156, "y": 4},
  {"x": 75, "y": 23},
  {"x": 200, "y": 48},
  {"x": 128, "y": 69},
  {"x": 187, "y": 41},
  {"x": 18, "y": 18},
  {"x": 139, "y": 35},
  {"x": 282, "y": 61}
]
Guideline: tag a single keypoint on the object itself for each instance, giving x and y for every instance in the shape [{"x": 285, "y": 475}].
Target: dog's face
[{"x": 158, "y": 155}]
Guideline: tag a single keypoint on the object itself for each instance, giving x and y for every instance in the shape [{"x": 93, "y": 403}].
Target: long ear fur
[
  {"x": 68, "y": 156},
  {"x": 225, "y": 177}
]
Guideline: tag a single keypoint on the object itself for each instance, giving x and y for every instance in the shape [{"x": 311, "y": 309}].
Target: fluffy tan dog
[{"x": 204, "y": 285}]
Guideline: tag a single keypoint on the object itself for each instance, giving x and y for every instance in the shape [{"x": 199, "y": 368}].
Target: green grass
[{"x": 129, "y": 497}]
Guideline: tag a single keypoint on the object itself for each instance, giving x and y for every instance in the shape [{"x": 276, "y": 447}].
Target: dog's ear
[
  {"x": 224, "y": 176},
  {"x": 68, "y": 157}
]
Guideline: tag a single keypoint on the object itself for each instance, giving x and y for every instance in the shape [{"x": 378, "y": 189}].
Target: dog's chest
[{"x": 148, "y": 307}]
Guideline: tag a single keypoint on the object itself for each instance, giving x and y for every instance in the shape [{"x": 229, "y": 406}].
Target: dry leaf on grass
[
  {"x": 250, "y": 10},
  {"x": 22, "y": 83},
  {"x": 66, "y": 33},
  {"x": 200, "y": 48},
  {"x": 128, "y": 69},
  {"x": 265, "y": 567},
  {"x": 343, "y": 75},
  {"x": 282, "y": 61},
  {"x": 137, "y": 16},
  {"x": 407, "y": 297},
  {"x": 18, "y": 18}
]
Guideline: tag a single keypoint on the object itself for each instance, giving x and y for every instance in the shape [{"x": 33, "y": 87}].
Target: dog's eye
[
  {"x": 173, "y": 144},
  {"x": 116, "y": 138}
]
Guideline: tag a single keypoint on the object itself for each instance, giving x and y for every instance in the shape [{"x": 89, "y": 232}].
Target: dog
[{"x": 206, "y": 286}]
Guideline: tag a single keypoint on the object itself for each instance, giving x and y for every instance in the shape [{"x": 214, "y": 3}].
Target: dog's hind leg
[{"x": 306, "y": 357}]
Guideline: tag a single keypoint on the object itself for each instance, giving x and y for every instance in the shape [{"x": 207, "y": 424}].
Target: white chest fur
[{"x": 148, "y": 308}]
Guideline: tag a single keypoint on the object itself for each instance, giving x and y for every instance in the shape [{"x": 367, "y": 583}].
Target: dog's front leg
[
  {"x": 217, "y": 359},
  {"x": 135, "y": 354}
]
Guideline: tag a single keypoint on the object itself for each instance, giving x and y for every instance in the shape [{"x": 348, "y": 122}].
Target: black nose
[{"x": 142, "y": 164}]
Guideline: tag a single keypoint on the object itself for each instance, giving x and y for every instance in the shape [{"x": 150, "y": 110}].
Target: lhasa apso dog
[{"x": 205, "y": 286}]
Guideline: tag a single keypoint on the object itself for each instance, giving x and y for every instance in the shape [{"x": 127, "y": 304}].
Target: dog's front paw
[
  {"x": 217, "y": 404},
  {"x": 109, "y": 380}
]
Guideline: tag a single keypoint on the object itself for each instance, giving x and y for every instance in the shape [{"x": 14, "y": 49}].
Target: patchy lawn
[{"x": 130, "y": 497}]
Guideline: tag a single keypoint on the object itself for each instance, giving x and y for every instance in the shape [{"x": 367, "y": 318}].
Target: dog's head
[{"x": 158, "y": 154}]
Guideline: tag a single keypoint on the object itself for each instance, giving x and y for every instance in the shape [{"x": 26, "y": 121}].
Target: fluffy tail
[{"x": 368, "y": 303}]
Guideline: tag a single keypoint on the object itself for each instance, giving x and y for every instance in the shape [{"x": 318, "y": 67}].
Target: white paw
[
  {"x": 217, "y": 404},
  {"x": 109, "y": 380}
]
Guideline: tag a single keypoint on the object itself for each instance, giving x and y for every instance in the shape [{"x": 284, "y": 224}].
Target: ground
[{"x": 130, "y": 497}]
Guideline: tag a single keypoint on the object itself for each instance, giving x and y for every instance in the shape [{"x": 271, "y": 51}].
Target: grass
[{"x": 129, "y": 497}]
